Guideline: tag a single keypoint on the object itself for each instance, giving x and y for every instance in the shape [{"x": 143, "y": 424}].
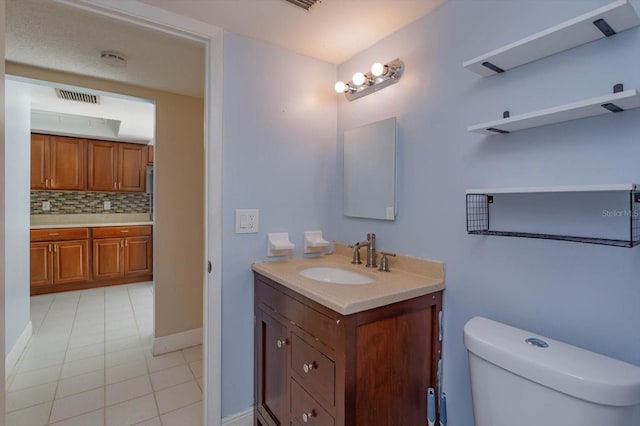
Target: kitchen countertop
[
  {"x": 409, "y": 278},
  {"x": 88, "y": 220}
]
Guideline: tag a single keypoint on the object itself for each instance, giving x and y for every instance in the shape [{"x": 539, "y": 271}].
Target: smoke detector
[{"x": 114, "y": 59}]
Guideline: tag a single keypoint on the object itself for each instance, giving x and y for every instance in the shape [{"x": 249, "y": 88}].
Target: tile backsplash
[{"x": 75, "y": 202}]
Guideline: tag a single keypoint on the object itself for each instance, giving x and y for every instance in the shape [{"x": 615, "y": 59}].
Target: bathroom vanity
[{"x": 345, "y": 354}]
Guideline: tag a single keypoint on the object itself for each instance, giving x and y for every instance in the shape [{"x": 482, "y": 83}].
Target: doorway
[{"x": 210, "y": 37}]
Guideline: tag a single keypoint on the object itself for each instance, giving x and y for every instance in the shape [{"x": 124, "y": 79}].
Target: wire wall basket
[{"x": 478, "y": 223}]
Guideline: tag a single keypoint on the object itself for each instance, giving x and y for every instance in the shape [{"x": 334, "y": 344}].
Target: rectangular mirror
[{"x": 370, "y": 171}]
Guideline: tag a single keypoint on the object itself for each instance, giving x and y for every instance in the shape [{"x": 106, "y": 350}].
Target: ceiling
[
  {"x": 49, "y": 35},
  {"x": 56, "y": 36},
  {"x": 332, "y": 30}
]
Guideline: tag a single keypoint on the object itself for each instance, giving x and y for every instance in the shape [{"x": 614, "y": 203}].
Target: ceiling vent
[
  {"x": 70, "y": 95},
  {"x": 304, "y": 4}
]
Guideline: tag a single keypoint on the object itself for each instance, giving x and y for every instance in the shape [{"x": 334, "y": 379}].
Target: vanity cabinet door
[{"x": 272, "y": 348}]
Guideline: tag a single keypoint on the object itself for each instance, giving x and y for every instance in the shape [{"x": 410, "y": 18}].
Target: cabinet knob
[
  {"x": 307, "y": 416},
  {"x": 308, "y": 367},
  {"x": 282, "y": 343}
]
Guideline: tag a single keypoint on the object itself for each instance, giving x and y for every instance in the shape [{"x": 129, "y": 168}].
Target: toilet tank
[{"x": 545, "y": 382}]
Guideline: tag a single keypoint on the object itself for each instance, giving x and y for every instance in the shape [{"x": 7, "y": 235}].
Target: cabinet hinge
[{"x": 440, "y": 326}]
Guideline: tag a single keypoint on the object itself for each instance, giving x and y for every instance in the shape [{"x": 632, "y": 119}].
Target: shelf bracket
[
  {"x": 493, "y": 129},
  {"x": 605, "y": 28},
  {"x": 492, "y": 67},
  {"x": 612, "y": 107}
]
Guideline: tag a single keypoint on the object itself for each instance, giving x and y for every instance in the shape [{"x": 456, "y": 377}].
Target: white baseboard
[
  {"x": 175, "y": 342},
  {"x": 244, "y": 418},
  {"x": 13, "y": 356}
]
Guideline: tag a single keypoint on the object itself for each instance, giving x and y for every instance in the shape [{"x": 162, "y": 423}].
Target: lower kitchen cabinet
[
  {"x": 58, "y": 257},
  {"x": 64, "y": 259},
  {"x": 122, "y": 252},
  {"x": 316, "y": 366}
]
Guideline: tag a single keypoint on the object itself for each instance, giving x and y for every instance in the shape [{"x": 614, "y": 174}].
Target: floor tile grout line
[
  {"x": 16, "y": 367},
  {"x": 65, "y": 356},
  {"x": 146, "y": 365}
]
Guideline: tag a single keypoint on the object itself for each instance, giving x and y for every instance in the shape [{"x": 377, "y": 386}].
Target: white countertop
[
  {"x": 88, "y": 220},
  {"x": 387, "y": 288}
]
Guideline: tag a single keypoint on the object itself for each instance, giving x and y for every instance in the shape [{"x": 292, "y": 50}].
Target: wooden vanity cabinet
[
  {"x": 57, "y": 162},
  {"x": 115, "y": 166},
  {"x": 58, "y": 256},
  {"x": 316, "y": 366}
]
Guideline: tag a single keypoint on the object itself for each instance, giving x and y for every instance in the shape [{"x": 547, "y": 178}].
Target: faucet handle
[
  {"x": 384, "y": 262},
  {"x": 356, "y": 254}
]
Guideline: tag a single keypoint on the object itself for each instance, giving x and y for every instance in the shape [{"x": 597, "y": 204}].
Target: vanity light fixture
[{"x": 380, "y": 76}]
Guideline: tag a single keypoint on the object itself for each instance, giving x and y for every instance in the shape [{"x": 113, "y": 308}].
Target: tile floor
[{"x": 89, "y": 363}]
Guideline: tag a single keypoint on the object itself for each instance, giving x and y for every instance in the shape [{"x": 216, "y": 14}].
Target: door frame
[{"x": 211, "y": 37}]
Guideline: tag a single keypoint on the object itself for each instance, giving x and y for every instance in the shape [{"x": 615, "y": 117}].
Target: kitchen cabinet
[
  {"x": 122, "y": 252},
  {"x": 58, "y": 256},
  {"x": 57, "y": 162},
  {"x": 150, "y": 154},
  {"x": 316, "y": 366},
  {"x": 114, "y": 166}
]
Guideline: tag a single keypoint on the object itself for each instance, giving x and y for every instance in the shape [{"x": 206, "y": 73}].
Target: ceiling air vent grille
[
  {"x": 304, "y": 4},
  {"x": 70, "y": 95}
]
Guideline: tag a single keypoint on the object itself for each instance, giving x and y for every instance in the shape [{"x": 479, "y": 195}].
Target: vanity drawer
[
  {"x": 59, "y": 234},
  {"x": 324, "y": 328},
  {"x": 304, "y": 406},
  {"x": 316, "y": 370},
  {"x": 121, "y": 231}
]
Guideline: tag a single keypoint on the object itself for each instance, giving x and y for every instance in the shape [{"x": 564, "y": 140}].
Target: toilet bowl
[{"x": 522, "y": 379}]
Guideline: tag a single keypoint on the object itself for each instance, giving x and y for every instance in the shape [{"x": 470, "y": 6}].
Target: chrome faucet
[
  {"x": 372, "y": 255},
  {"x": 356, "y": 253}
]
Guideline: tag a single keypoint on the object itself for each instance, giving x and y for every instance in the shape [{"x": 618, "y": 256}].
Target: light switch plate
[
  {"x": 107, "y": 205},
  {"x": 247, "y": 221},
  {"x": 46, "y": 206}
]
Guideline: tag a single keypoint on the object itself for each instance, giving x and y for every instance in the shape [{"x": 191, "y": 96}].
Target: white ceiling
[
  {"x": 51, "y": 35},
  {"x": 332, "y": 30}
]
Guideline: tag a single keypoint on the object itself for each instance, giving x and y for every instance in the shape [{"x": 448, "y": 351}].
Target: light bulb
[
  {"x": 358, "y": 79},
  {"x": 378, "y": 69},
  {"x": 340, "y": 87}
]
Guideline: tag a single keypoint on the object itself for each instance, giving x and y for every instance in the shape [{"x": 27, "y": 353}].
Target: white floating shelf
[
  {"x": 625, "y": 100},
  {"x": 567, "y": 188},
  {"x": 619, "y": 16}
]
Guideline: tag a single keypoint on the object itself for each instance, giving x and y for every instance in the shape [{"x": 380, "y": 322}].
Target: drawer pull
[
  {"x": 282, "y": 343},
  {"x": 308, "y": 367},
  {"x": 124, "y": 230},
  {"x": 307, "y": 416},
  {"x": 53, "y": 234}
]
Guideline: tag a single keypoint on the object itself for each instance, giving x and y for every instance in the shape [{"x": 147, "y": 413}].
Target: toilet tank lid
[{"x": 565, "y": 368}]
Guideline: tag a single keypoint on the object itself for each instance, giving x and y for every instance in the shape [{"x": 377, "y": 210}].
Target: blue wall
[
  {"x": 279, "y": 149},
  {"x": 282, "y": 155},
  {"x": 583, "y": 294}
]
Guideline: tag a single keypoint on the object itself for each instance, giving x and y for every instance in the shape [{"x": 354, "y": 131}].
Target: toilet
[{"x": 522, "y": 379}]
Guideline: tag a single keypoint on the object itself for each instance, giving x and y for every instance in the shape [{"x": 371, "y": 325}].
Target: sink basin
[{"x": 335, "y": 275}]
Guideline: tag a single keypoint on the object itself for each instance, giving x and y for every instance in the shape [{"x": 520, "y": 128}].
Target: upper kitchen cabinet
[
  {"x": 114, "y": 166},
  {"x": 57, "y": 162}
]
